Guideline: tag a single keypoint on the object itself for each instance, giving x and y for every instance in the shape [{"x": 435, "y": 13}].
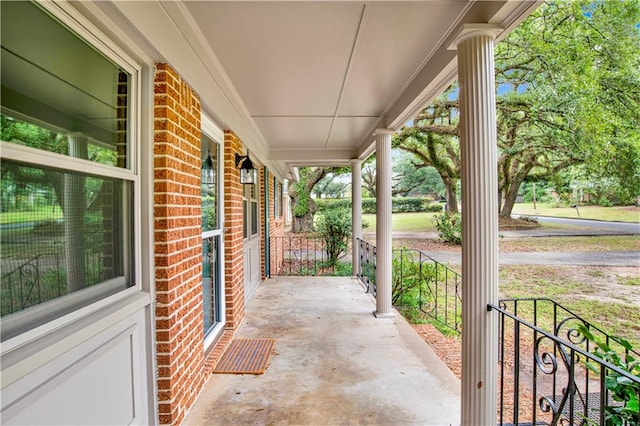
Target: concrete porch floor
[{"x": 334, "y": 364}]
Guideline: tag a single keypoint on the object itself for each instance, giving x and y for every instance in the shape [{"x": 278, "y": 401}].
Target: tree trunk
[
  {"x": 300, "y": 193},
  {"x": 450, "y": 185},
  {"x": 512, "y": 193},
  {"x": 304, "y": 223}
]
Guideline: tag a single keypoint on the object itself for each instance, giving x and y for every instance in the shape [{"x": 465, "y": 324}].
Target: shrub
[
  {"x": 324, "y": 204},
  {"x": 334, "y": 227},
  {"x": 398, "y": 205},
  {"x": 623, "y": 390},
  {"x": 341, "y": 269},
  {"x": 605, "y": 202},
  {"x": 434, "y": 207},
  {"x": 407, "y": 205},
  {"x": 409, "y": 279},
  {"x": 369, "y": 205},
  {"x": 449, "y": 227}
]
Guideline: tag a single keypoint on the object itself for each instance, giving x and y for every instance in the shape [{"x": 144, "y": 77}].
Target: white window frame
[
  {"x": 254, "y": 201},
  {"x": 251, "y": 197},
  {"x": 276, "y": 199},
  {"x": 86, "y": 31},
  {"x": 211, "y": 130}
]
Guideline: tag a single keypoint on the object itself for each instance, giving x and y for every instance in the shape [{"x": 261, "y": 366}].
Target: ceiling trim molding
[
  {"x": 311, "y": 155},
  {"x": 169, "y": 27},
  {"x": 189, "y": 29},
  {"x": 510, "y": 16},
  {"x": 475, "y": 30},
  {"x": 395, "y": 120},
  {"x": 425, "y": 84}
]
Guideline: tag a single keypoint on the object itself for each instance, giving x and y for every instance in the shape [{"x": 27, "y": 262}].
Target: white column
[
  {"x": 383, "y": 223},
  {"x": 478, "y": 142},
  {"x": 356, "y": 210}
]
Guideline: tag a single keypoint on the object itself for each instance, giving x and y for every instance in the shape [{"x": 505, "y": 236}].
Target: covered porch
[{"x": 334, "y": 363}]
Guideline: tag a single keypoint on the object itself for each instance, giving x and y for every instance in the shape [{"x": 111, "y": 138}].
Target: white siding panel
[{"x": 100, "y": 381}]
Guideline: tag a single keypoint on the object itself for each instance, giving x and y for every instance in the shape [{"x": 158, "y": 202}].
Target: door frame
[{"x": 211, "y": 130}]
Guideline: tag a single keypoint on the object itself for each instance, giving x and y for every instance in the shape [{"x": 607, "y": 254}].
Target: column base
[{"x": 383, "y": 314}]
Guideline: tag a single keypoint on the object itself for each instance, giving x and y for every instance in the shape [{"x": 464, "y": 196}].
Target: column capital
[
  {"x": 76, "y": 135},
  {"x": 355, "y": 161},
  {"x": 383, "y": 132},
  {"x": 474, "y": 30}
]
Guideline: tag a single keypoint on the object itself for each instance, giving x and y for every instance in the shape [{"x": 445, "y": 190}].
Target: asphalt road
[
  {"x": 614, "y": 258},
  {"x": 576, "y": 227},
  {"x": 617, "y": 227}
]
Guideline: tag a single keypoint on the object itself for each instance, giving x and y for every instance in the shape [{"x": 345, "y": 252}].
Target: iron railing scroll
[
  {"x": 32, "y": 282},
  {"x": 548, "y": 373},
  {"x": 418, "y": 282}
]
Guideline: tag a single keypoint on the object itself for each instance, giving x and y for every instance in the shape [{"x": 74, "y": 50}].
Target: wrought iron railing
[
  {"x": 365, "y": 270},
  {"x": 549, "y": 374},
  {"x": 305, "y": 255},
  {"x": 418, "y": 282},
  {"x": 548, "y": 371},
  {"x": 42, "y": 278},
  {"x": 34, "y": 281}
]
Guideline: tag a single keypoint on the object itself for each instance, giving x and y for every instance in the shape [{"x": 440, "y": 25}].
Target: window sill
[{"x": 33, "y": 349}]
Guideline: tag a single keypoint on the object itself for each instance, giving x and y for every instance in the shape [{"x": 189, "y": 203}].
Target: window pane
[
  {"x": 254, "y": 218},
  {"x": 75, "y": 145},
  {"x": 244, "y": 218},
  {"x": 55, "y": 79},
  {"x": 61, "y": 233},
  {"x": 275, "y": 198},
  {"x": 210, "y": 182},
  {"x": 211, "y": 281}
]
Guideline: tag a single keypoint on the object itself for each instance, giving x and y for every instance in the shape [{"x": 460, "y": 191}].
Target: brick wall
[
  {"x": 276, "y": 228},
  {"x": 178, "y": 245},
  {"x": 233, "y": 237},
  {"x": 182, "y": 367}
]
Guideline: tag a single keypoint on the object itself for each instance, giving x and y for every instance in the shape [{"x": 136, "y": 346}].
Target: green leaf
[
  {"x": 626, "y": 344},
  {"x": 585, "y": 332},
  {"x": 633, "y": 406},
  {"x": 623, "y": 380}
]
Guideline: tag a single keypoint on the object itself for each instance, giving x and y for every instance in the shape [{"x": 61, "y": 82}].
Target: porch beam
[
  {"x": 478, "y": 143},
  {"x": 383, "y": 223},
  {"x": 356, "y": 211}
]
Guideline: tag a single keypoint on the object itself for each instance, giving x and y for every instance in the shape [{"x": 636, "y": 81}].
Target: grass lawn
[
  {"x": 604, "y": 243},
  {"x": 38, "y": 214},
  {"x": 606, "y": 297},
  {"x": 601, "y": 243},
  {"x": 418, "y": 222},
  {"x": 423, "y": 222},
  {"x": 621, "y": 214}
]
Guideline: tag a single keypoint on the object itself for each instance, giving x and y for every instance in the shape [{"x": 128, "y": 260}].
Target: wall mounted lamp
[
  {"x": 207, "y": 171},
  {"x": 248, "y": 173}
]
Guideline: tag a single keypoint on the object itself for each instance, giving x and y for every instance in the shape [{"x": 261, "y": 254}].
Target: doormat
[{"x": 246, "y": 356}]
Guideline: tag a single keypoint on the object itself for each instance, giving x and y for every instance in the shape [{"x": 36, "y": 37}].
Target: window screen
[{"x": 67, "y": 188}]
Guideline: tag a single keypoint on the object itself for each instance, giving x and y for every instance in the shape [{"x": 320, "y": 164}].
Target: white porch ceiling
[{"x": 308, "y": 82}]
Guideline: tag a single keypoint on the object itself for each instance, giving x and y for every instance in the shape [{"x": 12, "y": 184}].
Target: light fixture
[
  {"x": 207, "y": 171},
  {"x": 248, "y": 173}
]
